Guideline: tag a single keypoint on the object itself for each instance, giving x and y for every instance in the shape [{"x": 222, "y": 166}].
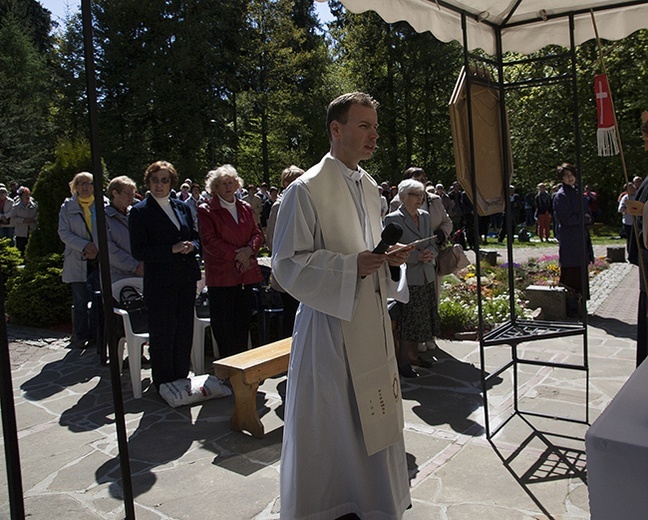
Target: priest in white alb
[{"x": 343, "y": 454}]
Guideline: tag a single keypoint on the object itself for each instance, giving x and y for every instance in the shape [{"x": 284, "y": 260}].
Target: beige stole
[{"x": 367, "y": 336}]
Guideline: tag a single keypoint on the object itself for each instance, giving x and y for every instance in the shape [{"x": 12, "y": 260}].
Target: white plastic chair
[
  {"x": 132, "y": 340},
  {"x": 198, "y": 344}
]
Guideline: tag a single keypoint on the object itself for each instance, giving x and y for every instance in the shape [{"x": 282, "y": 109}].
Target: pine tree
[{"x": 25, "y": 87}]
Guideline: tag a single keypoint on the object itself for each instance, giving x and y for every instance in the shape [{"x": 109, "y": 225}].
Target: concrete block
[
  {"x": 488, "y": 255},
  {"x": 616, "y": 254},
  {"x": 551, "y": 299}
]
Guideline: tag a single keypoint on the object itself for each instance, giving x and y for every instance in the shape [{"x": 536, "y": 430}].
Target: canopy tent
[
  {"x": 525, "y": 25},
  {"x": 498, "y": 27}
]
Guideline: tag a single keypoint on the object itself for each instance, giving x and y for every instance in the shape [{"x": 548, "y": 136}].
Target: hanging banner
[{"x": 606, "y": 133}]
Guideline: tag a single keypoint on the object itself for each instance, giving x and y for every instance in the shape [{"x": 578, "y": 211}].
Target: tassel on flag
[{"x": 606, "y": 132}]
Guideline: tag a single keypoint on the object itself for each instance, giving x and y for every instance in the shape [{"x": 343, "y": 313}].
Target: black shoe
[
  {"x": 408, "y": 371},
  {"x": 78, "y": 343},
  {"x": 421, "y": 362}
]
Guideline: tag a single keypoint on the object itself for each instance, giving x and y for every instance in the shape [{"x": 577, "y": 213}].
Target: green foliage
[
  {"x": 10, "y": 259},
  {"x": 412, "y": 75},
  {"x": 456, "y": 316},
  {"x": 33, "y": 18},
  {"x": 166, "y": 70},
  {"x": 541, "y": 118},
  {"x": 201, "y": 83},
  {"x": 458, "y": 306},
  {"x": 281, "y": 106},
  {"x": 37, "y": 296},
  {"x": 24, "y": 89},
  {"x": 50, "y": 190},
  {"x": 69, "y": 106}
]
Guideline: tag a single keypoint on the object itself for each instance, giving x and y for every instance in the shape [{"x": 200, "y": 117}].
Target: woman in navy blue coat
[
  {"x": 568, "y": 210},
  {"x": 164, "y": 238}
]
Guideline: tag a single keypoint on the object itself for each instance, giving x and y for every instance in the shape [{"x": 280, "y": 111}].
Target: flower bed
[{"x": 458, "y": 306}]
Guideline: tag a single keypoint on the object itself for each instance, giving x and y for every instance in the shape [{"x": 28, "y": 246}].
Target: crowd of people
[
  {"x": 229, "y": 223},
  {"x": 534, "y": 210},
  {"x": 18, "y": 215},
  {"x": 334, "y": 288},
  {"x": 323, "y": 265}
]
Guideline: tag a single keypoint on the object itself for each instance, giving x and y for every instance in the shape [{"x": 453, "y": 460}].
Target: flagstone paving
[{"x": 187, "y": 464}]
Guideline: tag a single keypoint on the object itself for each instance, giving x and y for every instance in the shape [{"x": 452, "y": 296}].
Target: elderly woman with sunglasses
[{"x": 163, "y": 237}]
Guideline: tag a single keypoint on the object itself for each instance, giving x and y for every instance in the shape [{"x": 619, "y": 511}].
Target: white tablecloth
[{"x": 617, "y": 454}]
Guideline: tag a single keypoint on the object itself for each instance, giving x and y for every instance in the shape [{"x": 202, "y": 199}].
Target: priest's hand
[
  {"x": 369, "y": 263},
  {"x": 400, "y": 256}
]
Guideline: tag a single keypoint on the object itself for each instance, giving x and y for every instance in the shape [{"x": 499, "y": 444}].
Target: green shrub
[
  {"x": 456, "y": 316},
  {"x": 51, "y": 189},
  {"x": 9, "y": 260},
  {"x": 37, "y": 297},
  {"x": 496, "y": 310}
]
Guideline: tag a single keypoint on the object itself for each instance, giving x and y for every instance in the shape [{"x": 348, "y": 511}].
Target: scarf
[{"x": 87, "y": 206}]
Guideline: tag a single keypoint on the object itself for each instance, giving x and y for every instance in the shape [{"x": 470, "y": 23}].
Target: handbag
[
  {"x": 450, "y": 259},
  {"x": 202, "y": 304},
  {"x": 132, "y": 301}
]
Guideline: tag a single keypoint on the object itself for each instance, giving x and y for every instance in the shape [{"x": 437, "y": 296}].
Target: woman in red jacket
[{"x": 230, "y": 241}]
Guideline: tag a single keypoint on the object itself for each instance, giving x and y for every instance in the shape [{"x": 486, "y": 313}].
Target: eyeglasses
[
  {"x": 160, "y": 180},
  {"x": 416, "y": 194},
  {"x": 85, "y": 183}
]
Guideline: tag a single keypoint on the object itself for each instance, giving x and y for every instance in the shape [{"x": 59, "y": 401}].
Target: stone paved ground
[{"x": 186, "y": 464}]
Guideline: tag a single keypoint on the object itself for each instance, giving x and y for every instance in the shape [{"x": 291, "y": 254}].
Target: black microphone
[{"x": 389, "y": 236}]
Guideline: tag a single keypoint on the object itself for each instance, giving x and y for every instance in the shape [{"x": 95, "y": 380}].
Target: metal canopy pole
[
  {"x": 104, "y": 263},
  {"x": 585, "y": 257},
  {"x": 9, "y": 426}
]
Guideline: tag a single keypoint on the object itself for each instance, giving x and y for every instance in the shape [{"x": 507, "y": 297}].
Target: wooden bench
[{"x": 245, "y": 372}]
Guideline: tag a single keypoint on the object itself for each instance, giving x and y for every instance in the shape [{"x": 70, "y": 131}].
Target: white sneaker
[
  {"x": 422, "y": 347},
  {"x": 430, "y": 344}
]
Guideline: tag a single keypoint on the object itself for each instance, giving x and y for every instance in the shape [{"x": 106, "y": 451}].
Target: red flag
[{"x": 606, "y": 133}]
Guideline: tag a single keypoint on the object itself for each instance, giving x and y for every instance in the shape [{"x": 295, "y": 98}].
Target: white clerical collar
[{"x": 354, "y": 175}]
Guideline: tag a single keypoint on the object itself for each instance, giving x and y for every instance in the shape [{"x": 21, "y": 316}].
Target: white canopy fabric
[{"x": 526, "y": 25}]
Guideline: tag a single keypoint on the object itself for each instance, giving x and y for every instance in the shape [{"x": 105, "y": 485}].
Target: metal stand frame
[{"x": 516, "y": 331}]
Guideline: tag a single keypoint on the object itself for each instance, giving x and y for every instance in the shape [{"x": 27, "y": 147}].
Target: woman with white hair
[
  {"x": 419, "y": 319},
  {"x": 230, "y": 241}
]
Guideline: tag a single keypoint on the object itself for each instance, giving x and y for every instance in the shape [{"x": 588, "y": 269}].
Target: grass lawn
[{"x": 600, "y": 234}]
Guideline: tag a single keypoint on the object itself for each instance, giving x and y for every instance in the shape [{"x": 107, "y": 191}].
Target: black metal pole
[
  {"x": 9, "y": 427},
  {"x": 507, "y": 176},
  {"x": 109, "y": 318},
  {"x": 585, "y": 257}
]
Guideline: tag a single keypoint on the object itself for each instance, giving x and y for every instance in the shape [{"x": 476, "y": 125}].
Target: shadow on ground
[
  {"x": 614, "y": 327},
  {"x": 448, "y": 393}
]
